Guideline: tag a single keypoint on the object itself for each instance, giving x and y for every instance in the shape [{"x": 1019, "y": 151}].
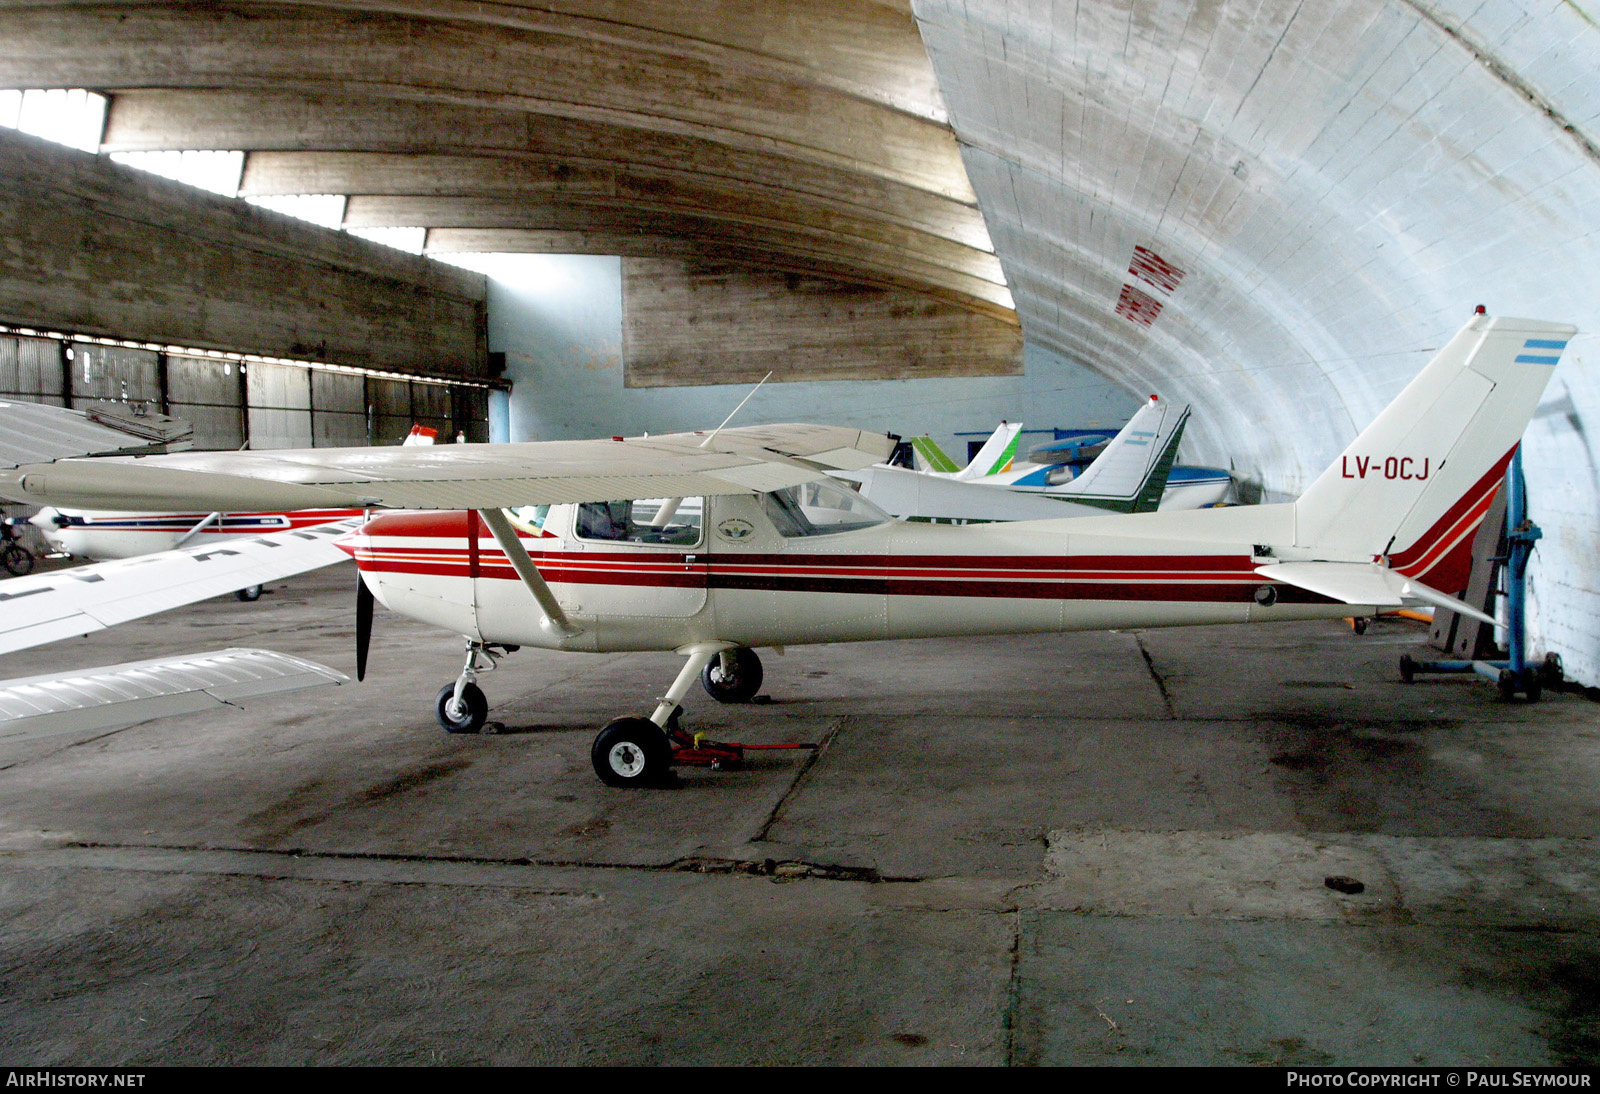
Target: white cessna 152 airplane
[{"x": 777, "y": 553}]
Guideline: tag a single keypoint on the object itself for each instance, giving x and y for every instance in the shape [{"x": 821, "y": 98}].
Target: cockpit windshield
[{"x": 821, "y": 508}]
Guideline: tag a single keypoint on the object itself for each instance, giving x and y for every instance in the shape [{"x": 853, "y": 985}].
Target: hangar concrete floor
[{"x": 1100, "y": 848}]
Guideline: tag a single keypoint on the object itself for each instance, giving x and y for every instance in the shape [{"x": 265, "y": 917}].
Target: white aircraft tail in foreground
[{"x": 597, "y": 546}]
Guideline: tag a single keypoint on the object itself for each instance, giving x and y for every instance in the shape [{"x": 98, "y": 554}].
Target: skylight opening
[
  {"x": 215, "y": 170},
  {"x": 70, "y": 116},
  {"x": 324, "y": 209},
  {"x": 411, "y": 240}
]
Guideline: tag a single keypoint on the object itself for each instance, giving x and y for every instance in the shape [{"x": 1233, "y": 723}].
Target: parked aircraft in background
[
  {"x": 778, "y": 555},
  {"x": 1045, "y": 467},
  {"x": 992, "y": 458},
  {"x": 1127, "y": 476}
]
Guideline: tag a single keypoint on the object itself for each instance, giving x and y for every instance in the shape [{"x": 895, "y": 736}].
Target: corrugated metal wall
[{"x": 231, "y": 402}]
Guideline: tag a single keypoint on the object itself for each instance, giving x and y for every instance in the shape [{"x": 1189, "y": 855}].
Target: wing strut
[
  {"x": 196, "y": 530},
  {"x": 506, "y": 536}
]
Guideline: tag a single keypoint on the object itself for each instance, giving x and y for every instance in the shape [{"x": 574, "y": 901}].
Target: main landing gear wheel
[
  {"x": 631, "y": 752},
  {"x": 474, "y": 710},
  {"x": 249, "y": 593},
  {"x": 732, "y": 676}
]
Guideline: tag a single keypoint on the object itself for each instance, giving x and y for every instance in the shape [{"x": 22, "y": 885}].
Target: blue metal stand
[{"x": 1514, "y": 674}]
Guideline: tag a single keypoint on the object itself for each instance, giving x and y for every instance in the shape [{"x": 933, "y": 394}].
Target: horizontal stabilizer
[
  {"x": 108, "y": 698},
  {"x": 1365, "y": 583}
]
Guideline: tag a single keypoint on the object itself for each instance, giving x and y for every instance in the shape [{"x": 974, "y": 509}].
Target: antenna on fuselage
[{"x": 736, "y": 410}]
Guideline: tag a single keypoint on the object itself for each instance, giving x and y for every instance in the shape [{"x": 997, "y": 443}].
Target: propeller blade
[{"x": 363, "y": 626}]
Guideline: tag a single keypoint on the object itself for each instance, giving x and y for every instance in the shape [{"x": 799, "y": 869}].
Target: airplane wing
[
  {"x": 61, "y": 604},
  {"x": 122, "y": 695},
  {"x": 35, "y": 432},
  {"x": 746, "y": 460}
]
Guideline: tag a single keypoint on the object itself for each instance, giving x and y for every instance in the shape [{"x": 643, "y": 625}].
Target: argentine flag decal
[{"x": 1541, "y": 358}]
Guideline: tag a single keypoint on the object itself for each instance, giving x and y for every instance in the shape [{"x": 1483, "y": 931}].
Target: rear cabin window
[
  {"x": 670, "y": 522},
  {"x": 820, "y": 509}
]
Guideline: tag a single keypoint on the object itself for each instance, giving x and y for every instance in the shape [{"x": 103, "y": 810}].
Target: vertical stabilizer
[
  {"x": 1131, "y": 474},
  {"x": 930, "y": 457},
  {"x": 1416, "y": 483},
  {"x": 996, "y": 453}
]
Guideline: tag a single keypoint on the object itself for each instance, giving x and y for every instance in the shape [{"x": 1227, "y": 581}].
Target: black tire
[
  {"x": 1532, "y": 684},
  {"x": 1507, "y": 683},
  {"x": 249, "y": 594},
  {"x": 17, "y": 559},
  {"x": 741, "y": 680},
  {"x": 1359, "y": 624},
  {"x": 1408, "y": 668},
  {"x": 472, "y": 698},
  {"x": 1550, "y": 669},
  {"x": 631, "y": 752}
]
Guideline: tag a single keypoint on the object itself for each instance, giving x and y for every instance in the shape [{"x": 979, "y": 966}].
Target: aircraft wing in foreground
[
  {"x": 47, "y": 607},
  {"x": 115, "y": 696},
  {"x": 746, "y": 460},
  {"x": 596, "y": 546}
]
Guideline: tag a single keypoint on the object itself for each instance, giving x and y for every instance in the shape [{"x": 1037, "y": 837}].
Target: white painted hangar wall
[{"x": 1329, "y": 189}]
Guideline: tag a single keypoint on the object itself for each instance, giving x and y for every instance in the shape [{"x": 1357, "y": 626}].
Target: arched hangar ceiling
[
  {"x": 1277, "y": 208},
  {"x": 1273, "y": 207},
  {"x": 779, "y": 133}
]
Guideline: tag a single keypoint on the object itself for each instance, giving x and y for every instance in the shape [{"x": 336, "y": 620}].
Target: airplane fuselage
[
  {"x": 105, "y": 534},
  {"x": 736, "y": 579}
]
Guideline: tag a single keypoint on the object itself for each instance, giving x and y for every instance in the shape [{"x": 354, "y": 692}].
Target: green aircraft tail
[{"x": 933, "y": 456}]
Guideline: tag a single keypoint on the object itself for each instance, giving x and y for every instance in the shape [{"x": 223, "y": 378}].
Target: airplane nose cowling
[{"x": 50, "y": 522}]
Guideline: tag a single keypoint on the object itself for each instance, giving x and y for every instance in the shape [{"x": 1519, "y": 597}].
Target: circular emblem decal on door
[{"x": 734, "y": 529}]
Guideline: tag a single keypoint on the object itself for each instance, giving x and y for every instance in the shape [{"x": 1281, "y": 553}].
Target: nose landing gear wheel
[
  {"x": 473, "y": 713},
  {"x": 733, "y": 676},
  {"x": 631, "y": 752}
]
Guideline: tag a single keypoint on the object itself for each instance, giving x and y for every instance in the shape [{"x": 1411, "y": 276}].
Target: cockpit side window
[
  {"x": 529, "y": 518},
  {"x": 667, "y": 522}
]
